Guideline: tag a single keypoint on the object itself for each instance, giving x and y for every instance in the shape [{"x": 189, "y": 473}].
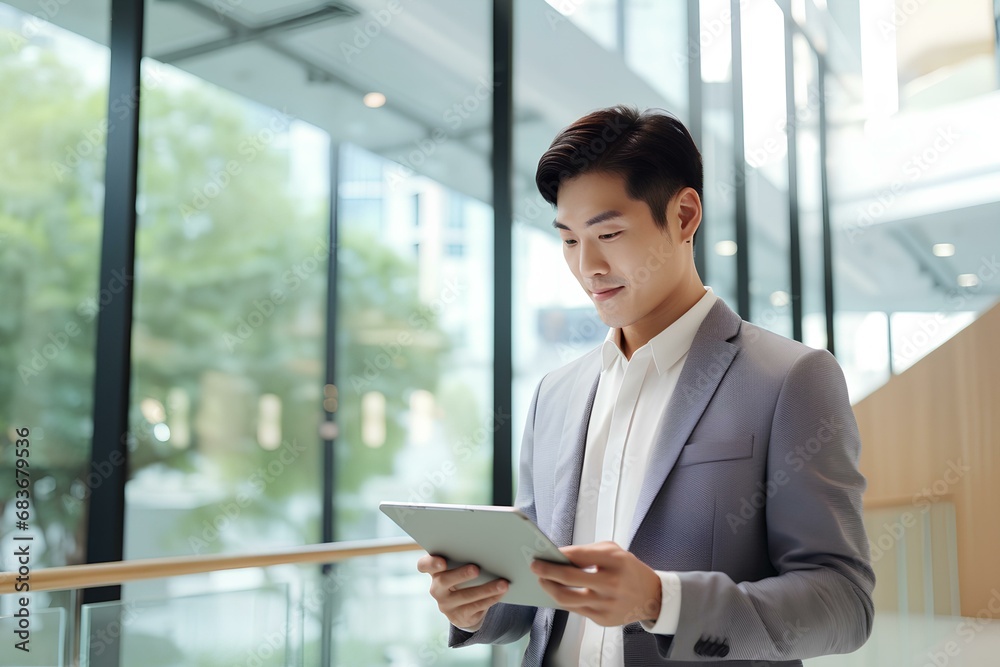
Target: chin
[{"x": 615, "y": 320}]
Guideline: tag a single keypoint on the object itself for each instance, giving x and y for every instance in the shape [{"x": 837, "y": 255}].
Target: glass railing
[
  {"x": 917, "y": 620},
  {"x": 915, "y": 640},
  {"x": 365, "y": 604},
  {"x": 222, "y": 628},
  {"x": 37, "y": 638},
  {"x": 360, "y": 603}
]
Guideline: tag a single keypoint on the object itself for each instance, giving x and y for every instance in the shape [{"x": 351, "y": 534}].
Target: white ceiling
[{"x": 434, "y": 54}]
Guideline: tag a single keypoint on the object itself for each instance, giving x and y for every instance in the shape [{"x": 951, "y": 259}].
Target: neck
[{"x": 673, "y": 307}]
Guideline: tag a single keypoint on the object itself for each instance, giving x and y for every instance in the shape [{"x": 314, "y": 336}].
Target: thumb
[{"x": 429, "y": 564}]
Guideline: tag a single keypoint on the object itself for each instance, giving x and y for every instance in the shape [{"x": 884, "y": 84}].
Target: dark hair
[{"x": 652, "y": 151}]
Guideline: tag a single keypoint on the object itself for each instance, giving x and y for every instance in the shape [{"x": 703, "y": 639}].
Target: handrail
[
  {"x": 104, "y": 574},
  {"x": 905, "y": 501},
  {"x": 118, "y": 572}
]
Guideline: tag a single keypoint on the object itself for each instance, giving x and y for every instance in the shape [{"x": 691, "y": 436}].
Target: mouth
[{"x": 605, "y": 294}]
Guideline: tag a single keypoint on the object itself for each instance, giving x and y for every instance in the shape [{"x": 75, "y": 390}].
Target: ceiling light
[
  {"x": 968, "y": 280},
  {"x": 725, "y": 248},
  {"x": 943, "y": 249},
  {"x": 374, "y": 100}
]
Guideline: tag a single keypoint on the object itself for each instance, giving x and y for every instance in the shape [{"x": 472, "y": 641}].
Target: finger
[
  {"x": 473, "y": 608},
  {"x": 456, "y": 576},
  {"x": 455, "y": 600},
  {"x": 601, "y": 554},
  {"x": 573, "y": 599},
  {"x": 566, "y": 575},
  {"x": 430, "y": 564}
]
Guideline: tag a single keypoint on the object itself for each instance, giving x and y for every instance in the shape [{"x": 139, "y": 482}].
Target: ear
[{"x": 687, "y": 205}]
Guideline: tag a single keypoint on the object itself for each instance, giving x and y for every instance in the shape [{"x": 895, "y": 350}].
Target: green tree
[
  {"x": 51, "y": 173},
  {"x": 218, "y": 249}
]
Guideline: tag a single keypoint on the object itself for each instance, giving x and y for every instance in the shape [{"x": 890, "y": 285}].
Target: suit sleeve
[
  {"x": 505, "y": 623},
  {"x": 820, "y": 601}
]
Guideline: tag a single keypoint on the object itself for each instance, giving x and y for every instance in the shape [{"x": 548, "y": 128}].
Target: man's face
[{"x": 628, "y": 265}]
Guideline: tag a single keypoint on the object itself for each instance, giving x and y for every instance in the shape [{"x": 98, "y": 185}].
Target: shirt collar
[{"x": 669, "y": 345}]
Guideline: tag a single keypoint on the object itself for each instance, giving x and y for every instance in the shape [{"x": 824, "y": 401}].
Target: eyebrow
[{"x": 597, "y": 219}]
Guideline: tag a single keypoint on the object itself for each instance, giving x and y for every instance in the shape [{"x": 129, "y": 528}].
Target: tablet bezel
[{"x": 501, "y": 541}]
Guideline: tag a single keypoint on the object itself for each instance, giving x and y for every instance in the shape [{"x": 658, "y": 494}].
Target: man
[{"x": 700, "y": 472}]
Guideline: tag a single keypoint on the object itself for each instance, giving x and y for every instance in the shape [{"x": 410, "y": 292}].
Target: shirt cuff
[
  {"x": 478, "y": 625},
  {"x": 670, "y": 606}
]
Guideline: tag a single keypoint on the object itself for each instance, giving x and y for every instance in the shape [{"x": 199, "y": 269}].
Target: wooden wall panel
[{"x": 934, "y": 431}]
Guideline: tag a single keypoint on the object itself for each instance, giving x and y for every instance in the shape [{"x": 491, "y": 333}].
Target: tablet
[{"x": 502, "y": 541}]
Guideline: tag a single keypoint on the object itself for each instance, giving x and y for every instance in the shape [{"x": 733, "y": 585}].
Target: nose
[{"x": 592, "y": 261}]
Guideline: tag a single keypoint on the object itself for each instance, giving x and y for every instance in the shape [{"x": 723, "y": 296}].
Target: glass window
[
  {"x": 229, "y": 347},
  {"x": 227, "y": 350},
  {"x": 766, "y": 153},
  {"x": 415, "y": 351},
  {"x": 718, "y": 227},
  {"x": 809, "y": 185},
  {"x": 861, "y": 328},
  {"x": 598, "y": 19},
  {"x": 914, "y": 217},
  {"x": 54, "y": 75},
  {"x": 657, "y": 48},
  {"x": 554, "y": 325},
  {"x": 53, "y": 134}
]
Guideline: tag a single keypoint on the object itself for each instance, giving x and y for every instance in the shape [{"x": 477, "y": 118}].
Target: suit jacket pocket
[{"x": 705, "y": 451}]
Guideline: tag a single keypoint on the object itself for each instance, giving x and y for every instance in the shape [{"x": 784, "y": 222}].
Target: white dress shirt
[{"x": 632, "y": 398}]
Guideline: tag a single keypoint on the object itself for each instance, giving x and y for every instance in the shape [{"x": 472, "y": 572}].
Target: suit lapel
[
  {"x": 707, "y": 362},
  {"x": 569, "y": 465}
]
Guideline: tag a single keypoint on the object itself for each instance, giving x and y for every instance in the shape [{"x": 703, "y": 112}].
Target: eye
[
  {"x": 605, "y": 237},
  {"x": 569, "y": 242}
]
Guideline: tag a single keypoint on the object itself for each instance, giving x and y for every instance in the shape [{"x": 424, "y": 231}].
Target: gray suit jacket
[{"x": 752, "y": 495}]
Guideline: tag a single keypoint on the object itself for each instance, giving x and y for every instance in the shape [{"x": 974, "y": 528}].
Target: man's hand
[
  {"x": 616, "y": 588},
  {"x": 464, "y": 607}
]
